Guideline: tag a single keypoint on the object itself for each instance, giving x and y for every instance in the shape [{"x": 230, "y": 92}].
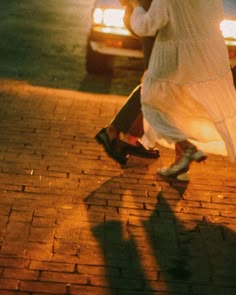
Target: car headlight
[
  {"x": 228, "y": 28},
  {"x": 109, "y": 17}
]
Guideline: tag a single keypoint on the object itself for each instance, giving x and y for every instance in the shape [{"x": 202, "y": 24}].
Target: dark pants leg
[
  {"x": 129, "y": 119},
  {"x": 234, "y": 75},
  {"x": 136, "y": 129}
]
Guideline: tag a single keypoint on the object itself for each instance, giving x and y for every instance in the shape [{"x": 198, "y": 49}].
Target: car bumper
[
  {"x": 119, "y": 42},
  {"x": 115, "y": 42},
  {"x": 103, "y": 48}
]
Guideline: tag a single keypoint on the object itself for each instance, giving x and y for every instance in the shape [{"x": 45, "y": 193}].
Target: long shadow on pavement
[{"x": 163, "y": 254}]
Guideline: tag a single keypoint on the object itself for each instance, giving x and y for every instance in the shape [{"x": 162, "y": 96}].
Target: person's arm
[
  {"x": 128, "y": 12},
  {"x": 134, "y": 3},
  {"x": 123, "y": 2},
  {"x": 148, "y": 23}
]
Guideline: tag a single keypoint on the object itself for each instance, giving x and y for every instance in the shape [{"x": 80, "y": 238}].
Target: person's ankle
[
  {"x": 130, "y": 139},
  {"x": 184, "y": 146},
  {"x": 112, "y": 132}
]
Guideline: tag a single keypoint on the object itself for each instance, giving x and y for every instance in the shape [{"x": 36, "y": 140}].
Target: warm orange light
[
  {"x": 98, "y": 16},
  {"x": 114, "y": 17},
  {"x": 232, "y": 53},
  {"x": 109, "y": 17},
  {"x": 228, "y": 28}
]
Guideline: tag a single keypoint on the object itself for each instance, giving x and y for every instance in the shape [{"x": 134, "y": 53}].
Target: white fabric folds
[{"x": 188, "y": 90}]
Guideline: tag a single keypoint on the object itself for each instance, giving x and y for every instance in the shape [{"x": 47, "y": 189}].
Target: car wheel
[{"x": 97, "y": 63}]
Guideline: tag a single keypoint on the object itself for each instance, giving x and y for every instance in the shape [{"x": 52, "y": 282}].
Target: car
[
  {"x": 228, "y": 28},
  {"x": 108, "y": 36}
]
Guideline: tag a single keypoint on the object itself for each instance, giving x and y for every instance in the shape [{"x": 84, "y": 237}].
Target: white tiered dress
[{"x": 188, "y": 90}]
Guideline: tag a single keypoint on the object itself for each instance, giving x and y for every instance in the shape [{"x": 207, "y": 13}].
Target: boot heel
[{"x": 199, "y": 156}]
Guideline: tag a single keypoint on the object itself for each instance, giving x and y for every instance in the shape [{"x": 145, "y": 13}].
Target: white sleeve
[{"x": 147, "y": 23}]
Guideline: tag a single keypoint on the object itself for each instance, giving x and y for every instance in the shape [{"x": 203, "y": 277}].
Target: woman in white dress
[{"x": 188, "y": 96}]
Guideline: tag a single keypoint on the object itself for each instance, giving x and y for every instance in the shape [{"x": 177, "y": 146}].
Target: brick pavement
[{"x": 73, "y": 222}]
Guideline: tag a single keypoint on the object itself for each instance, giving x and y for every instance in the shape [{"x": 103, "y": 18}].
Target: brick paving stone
[
  {"x": 13, "y": 262},
  {"x": 69, "y": 278},
  {"x": 216, "y": 290},
  {"x": 8, "y": 284},
  {"x": 41, "y": 235},
  {"x": 37, "y": 250},
  {"x": 43, "y": 287},
  {"x": 90, "y": 290},
  {"x": 20, "y": 274},
  {"x": 51, "y": 266},
  {"x": 72, "y": 221},
  {"x": 5, "y": 292}
]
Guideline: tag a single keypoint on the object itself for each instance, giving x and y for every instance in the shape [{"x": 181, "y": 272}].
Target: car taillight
[{"x": 232, "y": 52}]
